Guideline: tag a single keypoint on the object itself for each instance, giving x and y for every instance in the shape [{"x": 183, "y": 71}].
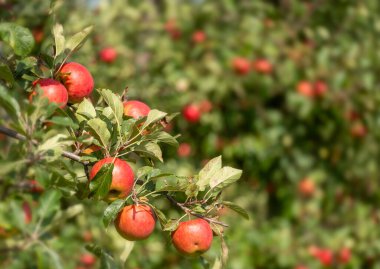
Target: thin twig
[
  {"x": 189, "y": 211},
  {"x": 14, "y": 134}
]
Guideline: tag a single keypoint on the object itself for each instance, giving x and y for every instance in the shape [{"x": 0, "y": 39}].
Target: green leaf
[
  {"x": 100, "y": 131},
  {"x": 154, "y": 116},
  {"x": 111, "y": 211},
  {"x": 127, "y": 128},
  {"x": 150, "y": 150},
  {"x": 143, "y": 171},
  {"x": 164, "y": 137},
  {"x": 76, "y": 41},
  {"x": 114, "y": 102},
  {"x": 59, "y": 39},
  {"x": 238, "y": 209},
  {"x": 208, "y": 172},
  {"x": 160, "y": 215},
  {"x": 64, "y": 121},
  {"x": 19, "y": 38},
  {"x": 171, "y": 225},
  {"x": 9, "y": 104},
  {"x": 106, "y": 260},
  {"x": 6, "y": 73},
  {"x": 49, "y": 203},
  {"x": 9, "y": 166},
  {"x": 85, "y": 111},
  {"x": 100, "y": 184},
  {"x": 54, "y": 142},
  {"x": 224, "y": 177}
]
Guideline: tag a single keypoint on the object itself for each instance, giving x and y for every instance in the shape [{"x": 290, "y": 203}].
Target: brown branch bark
[{"x": 189, "y": 211}]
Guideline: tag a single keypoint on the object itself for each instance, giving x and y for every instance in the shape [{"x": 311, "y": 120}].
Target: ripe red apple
[
  {"x": 87, "y": 259},
  {"x": 135, "y": 222},
  {"x": 262, "y": 66},
  {"x": 358, "y": 129},
  {"x": 136, "y": 109},
  {"x": 191, "y": 113},
  {"x": 205, "y": 106},
  {"x": 320, "y": 88},
  {"x": 192, "y": 237},
  {"x": 108, "y": 55},
  {"x": 172, "y": 28},
  {"x": 306, "y": 187},
  {"x": 198, "y": 37},
  {"x": 184, "y": 150},
  {"x": 324, "y": 255},
  {"x": 34, "y": 186},
  {"x": 54, "y": 91},
  {"x": 38, "y": 34},
  {"x": 305, "y": 88},
  {"x": 344, "y": 255},
  {"x": 77, "y": 80},
  {"x": 122, "y": 177},
  {"x": 241, "y": 66}
]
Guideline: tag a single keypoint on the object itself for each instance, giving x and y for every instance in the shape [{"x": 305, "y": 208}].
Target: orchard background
[{"x": 286, "y": 91}]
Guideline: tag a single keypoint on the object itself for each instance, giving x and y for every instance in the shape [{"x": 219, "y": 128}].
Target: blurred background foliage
[{"x": 304, "y": 128}]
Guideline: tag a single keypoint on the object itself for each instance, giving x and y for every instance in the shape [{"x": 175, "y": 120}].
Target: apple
[
  {"x": 205, "y": 106},
  {"x": 136, "y": 109},
  {"x": 192, "y": 237},
  {"x": 198, "y": 37},
  {"x": 325, "y": 256},
  {"x": 240, "y": 65},
  {"x": 172, "y": 28},
  {"x": 87, "y": 236},
  {"x": 34, "y": 186},
  {"x": 305, "y": 88},
  {"x": 320, "y": 88},
  {"x": 87, "y": 259},
  {"x": 122, "y": 177},
  {"x": 135, "y": 222},
  {"x": 306, "y": 187},
  {"x": 38, "y": 34},
  {"x": 262, "y": 66},
  {"x": 344, "y": 255},
  {"x": 54, "y": 91},
  {"x": 77, "y": 80},
  {"x": 358, "y": 129},
  {"x": 191, "y": 113},
  {"x": 108, "y": 55},
  {"x": 184, "y": 150}
]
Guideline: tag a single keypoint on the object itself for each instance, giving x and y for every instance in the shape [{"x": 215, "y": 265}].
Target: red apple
[
  {"x": 108, "y": 55},
  {"x": 198, "y": 37},
  {"x": 325, "y": 256},
  {"x": 87, "y": 259},
  {"x": 305, "y": 88},
  {"x": 320, "y": 88},
  {"x": 34, "y": 186},
  {"x": 191, "y": 113},
  {"x": 135, "y": 222},
  {"x": 205, "y": 106},
  {"x": 358, "y": 129},
  {"x": 87, "y": 236},
  {"x": 192, "y": 237},
  {"x": 172, "y": 28},
  {"x": 262, "y": 66},
  {"x": 38, "y": 34},
  {"x": 344, "y": 255},
  {"x": 122, "y": 177},
  {"x": 184, "y": 150},
  {"x": 54, "y": 91},
  {"x": 241, "y": 66},
  {"x": 306, "y": 187},
  {"x": 77, "y": 80},
  {"x": 136, "y": 109}
]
